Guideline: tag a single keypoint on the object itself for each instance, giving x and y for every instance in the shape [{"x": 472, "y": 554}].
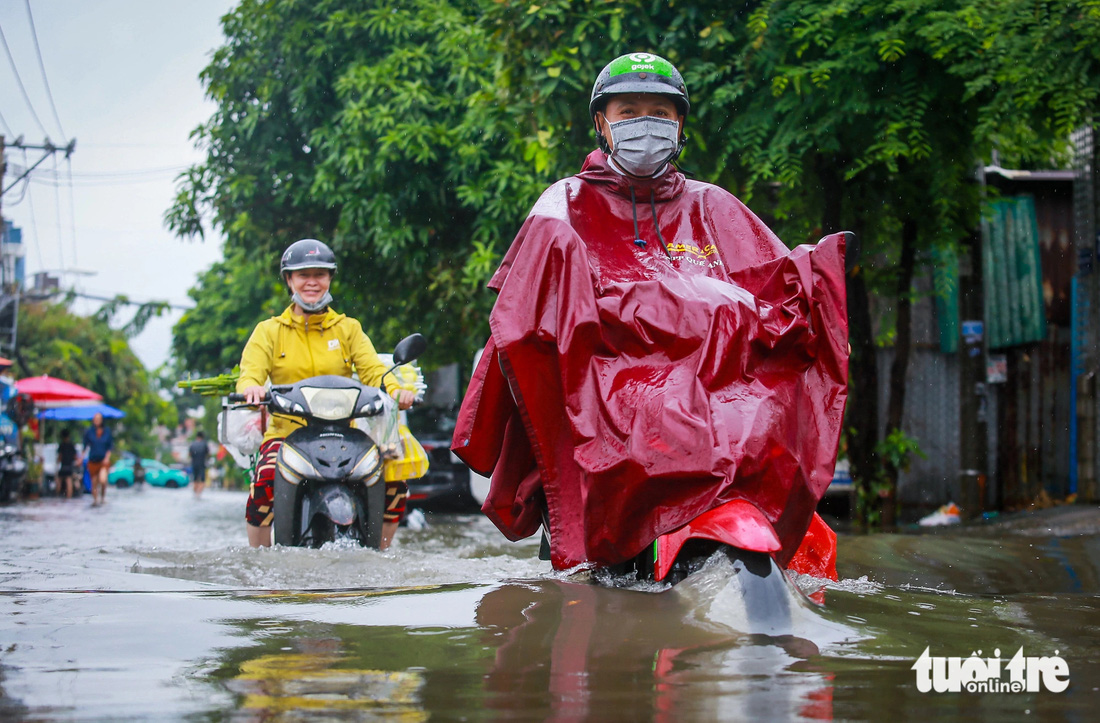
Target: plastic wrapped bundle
[
  {"x": 383, "y": 428},
  {"x": 241, "y": 431}
]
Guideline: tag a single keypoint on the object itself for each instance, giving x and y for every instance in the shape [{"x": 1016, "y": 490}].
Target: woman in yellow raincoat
[{"x": 308, "y": 339}]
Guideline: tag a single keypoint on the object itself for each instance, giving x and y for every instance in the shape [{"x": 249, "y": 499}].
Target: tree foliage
[
  {"x": 88, "y": 352},
  {"x": 230, "y": 298},
  {"x": 414, "y": 135},
  {"x": 358, "y": 124}
]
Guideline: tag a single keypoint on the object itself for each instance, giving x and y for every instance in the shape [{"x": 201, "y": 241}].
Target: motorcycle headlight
[
  {"x": 331, "y": 403},
  {"x": 294, "y": 465},
  {"x": 366, "y": 465}
]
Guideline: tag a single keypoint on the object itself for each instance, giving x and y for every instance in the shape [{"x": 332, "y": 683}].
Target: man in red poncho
[{"x": 656, "y": 351}]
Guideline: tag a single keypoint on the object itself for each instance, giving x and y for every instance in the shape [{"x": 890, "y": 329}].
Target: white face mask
[
  {"x": 642, "y": 146},
  {"x": 315, "y": 306}
]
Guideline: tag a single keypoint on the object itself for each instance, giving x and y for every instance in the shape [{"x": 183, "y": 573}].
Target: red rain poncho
[{"x": 627, "y": 389}]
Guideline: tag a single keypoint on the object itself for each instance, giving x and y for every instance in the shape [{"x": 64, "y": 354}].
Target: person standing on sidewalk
[
  {"x": 68, "y": 459},
  {"x": 98, "y": 443},
  {"x": 199, "y": 451}
]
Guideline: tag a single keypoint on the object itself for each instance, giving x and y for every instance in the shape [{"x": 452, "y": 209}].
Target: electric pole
[
  {"x": 10, "y": 291},
  {"x": 3, "y": 170}
]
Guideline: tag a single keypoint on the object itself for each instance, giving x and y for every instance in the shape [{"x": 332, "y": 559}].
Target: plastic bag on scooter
[
  {"x": 383, "y": 428},
  {"x": 412, "y": 462},
  {"x": 241, "y": 430}
]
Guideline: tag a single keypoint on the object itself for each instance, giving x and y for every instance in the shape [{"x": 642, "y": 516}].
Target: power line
[
  {"x": 34, "y": 226},
  {"x": 130, "y": 302},
  {"x": 133, "y": 172},
  {"x": 130, "y": 145},
  {"x": 22, "y": 194},
  {"x": 42, "y": 67},
  {"x": 57, "y": 215},
  {"x": 89, "y": 183},
  {"x": 72, "y": 206},
  {"x": 121, "y": 174},
  {"x": 6, "y": 126},
  {"x": 26, "y": 171},
  {"x": 19, "y": 82}
]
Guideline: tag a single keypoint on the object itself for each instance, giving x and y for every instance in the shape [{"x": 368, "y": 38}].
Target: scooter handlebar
[{"x": 237, "y": 398}]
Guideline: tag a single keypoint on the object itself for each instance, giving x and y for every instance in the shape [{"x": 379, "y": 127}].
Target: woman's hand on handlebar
[
  {"x": 254, "y": 395},
  {"x": 405, "y": 398}
]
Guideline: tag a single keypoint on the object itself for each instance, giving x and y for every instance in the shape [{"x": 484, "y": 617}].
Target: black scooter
[
  {"x": 13, "y": 468},
  {"x": 328, "y": 474}
]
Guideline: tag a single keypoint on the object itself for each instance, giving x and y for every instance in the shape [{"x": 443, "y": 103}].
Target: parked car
[
  {"x": 449, "y": 485},
  {"x": 160, "y": 475}
]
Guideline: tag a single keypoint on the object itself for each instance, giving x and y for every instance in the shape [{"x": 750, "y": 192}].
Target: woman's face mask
[
  {"x": 312, "y": 306},
  {"x": 642, "y": 146}
]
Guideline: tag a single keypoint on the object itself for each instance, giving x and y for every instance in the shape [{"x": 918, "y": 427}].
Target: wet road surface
[{"x": 152, "y": 608}]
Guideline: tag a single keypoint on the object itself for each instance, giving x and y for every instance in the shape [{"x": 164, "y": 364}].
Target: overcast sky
[{"x": 124, "y": 78}]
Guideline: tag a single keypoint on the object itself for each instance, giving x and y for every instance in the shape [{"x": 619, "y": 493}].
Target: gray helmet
[
  {"x": 639, "y": 73},
  {"x": 307, "y": 254}
]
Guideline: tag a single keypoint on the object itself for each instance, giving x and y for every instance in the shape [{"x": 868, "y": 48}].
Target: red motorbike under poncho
[{"x": 656, "y": 351}]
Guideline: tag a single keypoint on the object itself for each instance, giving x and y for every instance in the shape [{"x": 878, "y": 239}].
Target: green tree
[
  {"x": 877, "y": 113},
  {"x": 88, "y": 352},
  {"x": 230, "y": 298},
  {"x": 415, "y": 135},
  {"x": 1033, "y": 64},
  {"x": 356, "y": 124},
  {"x": 844, "y": 104}
]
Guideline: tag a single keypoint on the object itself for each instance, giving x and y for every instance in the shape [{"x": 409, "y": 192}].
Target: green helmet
[{"x": 639, "y": 73}]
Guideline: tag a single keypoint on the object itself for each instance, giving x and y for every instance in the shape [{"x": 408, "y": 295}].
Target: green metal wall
[{"x": 1012, "y": 273}]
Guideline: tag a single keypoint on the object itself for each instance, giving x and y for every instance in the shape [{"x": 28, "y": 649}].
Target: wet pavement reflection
[{"x": 151, "y": 608}]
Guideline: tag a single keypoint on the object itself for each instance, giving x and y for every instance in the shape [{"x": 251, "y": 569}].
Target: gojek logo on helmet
[{"x": 639, "y": 63}]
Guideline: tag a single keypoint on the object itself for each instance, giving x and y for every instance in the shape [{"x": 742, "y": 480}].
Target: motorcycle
[
  {"x": 328, "y": 473},
  {"x": 13, "y": 468},
  {"x": 738, "y": 530}
]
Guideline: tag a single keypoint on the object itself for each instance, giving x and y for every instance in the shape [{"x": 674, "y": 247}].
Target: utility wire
[
  {"x": 42, "y": 67},
  {"x": 19, "y": 81},
  {"x": 116, "y": 175},
  {"x": 9, "y": 202},
  {"x": 72, "y": 207},
  {"x": 133, "y": 172},
  {"x": 131, "y": 302},
  {"x": 7, "y": 128},
  {"x": 57, "y": 215},
  {"x": 89, "y": 183},
  {"x": 26, "y": 171},
  {"x": 34, "y": 226},
  {"x": 129, "y": 145}
]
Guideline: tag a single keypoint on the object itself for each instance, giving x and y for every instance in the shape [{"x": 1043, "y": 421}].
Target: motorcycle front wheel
[
  {"x": 370, "y": 522},
  {"x": 286, "y": 504},
  {"x": 365, "y": 529}
]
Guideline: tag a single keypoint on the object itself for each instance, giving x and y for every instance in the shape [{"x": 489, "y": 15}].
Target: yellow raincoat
[{"x": 289, "y": 348}]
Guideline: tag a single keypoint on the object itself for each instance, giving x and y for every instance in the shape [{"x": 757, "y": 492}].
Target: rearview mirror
[{"x": 409, "y": 348}]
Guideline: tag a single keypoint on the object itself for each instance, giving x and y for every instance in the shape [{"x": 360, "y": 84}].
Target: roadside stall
[{"x": 55, "y": 399}]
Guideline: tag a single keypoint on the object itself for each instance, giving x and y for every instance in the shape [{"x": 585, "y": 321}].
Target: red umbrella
[{"x": 49, "y": 392}]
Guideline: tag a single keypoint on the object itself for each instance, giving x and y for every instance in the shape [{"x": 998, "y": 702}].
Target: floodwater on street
[{"x": 152, "y": 608}]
